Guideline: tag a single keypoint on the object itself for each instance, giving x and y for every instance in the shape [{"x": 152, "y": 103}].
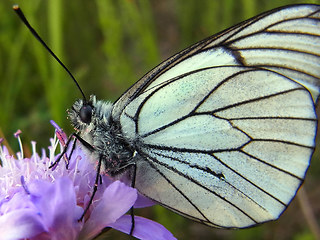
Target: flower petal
[
  {"x": 117, "y": 199},
  {"x": 143, "y": 202},
  {"x": 143, "y": 228},
  {"x": 20, "y": 224},
  {"x": 57, "y": 204}
]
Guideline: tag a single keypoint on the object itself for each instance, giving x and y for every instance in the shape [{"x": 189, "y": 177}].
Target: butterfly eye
[{"x": 86, "y": 113}]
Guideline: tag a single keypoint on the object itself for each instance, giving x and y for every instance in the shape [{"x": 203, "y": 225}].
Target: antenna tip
[{"x": 15, "y": 7}]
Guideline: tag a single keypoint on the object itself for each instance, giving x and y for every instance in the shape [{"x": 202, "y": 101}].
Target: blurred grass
[{"x": 108, "y": 45}]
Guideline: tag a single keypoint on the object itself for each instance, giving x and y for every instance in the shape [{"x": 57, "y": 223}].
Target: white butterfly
[{"x": 223, "y": 131}]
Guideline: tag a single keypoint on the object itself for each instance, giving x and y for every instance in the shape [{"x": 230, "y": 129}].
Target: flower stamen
[{"x": 17, "y": 135}]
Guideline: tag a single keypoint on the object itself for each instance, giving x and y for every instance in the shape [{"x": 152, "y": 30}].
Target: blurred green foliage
[{"x": 108, "y": 45}]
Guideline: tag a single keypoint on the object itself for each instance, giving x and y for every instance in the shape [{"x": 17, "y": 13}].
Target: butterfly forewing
[
  {"x": 225, "y": 129},
  {"x": 299, "y": 23}
]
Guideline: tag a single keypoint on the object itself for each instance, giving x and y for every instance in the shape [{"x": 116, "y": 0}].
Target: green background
[{"x": 108, "y": 45}]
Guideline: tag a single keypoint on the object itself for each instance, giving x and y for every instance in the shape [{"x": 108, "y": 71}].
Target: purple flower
[{"x": 40, "y": 203}]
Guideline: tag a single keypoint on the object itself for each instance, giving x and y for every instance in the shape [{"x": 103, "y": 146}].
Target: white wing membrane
[
  {"x": 224, "y": 131},
  {"x": 215, "y": 134},
  {"x": 217, "y": 57},
  {"x": 291, "y": 34},
  {"x": 205, "y": 144}
]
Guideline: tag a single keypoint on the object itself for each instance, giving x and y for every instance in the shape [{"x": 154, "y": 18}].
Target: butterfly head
[
  {"x": 88, "y": 115},
  {"x": 82, "y": 113}
]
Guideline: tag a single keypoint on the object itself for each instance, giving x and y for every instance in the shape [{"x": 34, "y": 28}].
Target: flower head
[{"x": 37, "y": 202}]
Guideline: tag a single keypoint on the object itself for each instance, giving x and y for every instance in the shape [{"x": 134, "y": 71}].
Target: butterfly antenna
[{"x": 17, "y": 9}]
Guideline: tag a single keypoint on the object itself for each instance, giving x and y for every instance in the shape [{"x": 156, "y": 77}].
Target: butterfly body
[
  {"x": 223, "y": 131},
  {"x": 104, "y": 135}
]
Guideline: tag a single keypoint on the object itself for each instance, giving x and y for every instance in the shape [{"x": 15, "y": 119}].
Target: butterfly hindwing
[{"x": 205, "y": 144}]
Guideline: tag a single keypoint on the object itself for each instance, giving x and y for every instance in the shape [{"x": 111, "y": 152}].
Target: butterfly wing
[
  {"x": 225, "y": 129},
  {"x": 285, "y": 39}
]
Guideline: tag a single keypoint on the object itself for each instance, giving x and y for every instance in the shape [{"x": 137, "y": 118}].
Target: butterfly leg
[
  {"x": 133, "y": 182},
  {"x": 95, "y": 188},
  {"x": 63, "y": 153},
  {"x": 71, "y": 152},
  {"x": 91, "y": 148},
  {"x": 73, "y": 135}
]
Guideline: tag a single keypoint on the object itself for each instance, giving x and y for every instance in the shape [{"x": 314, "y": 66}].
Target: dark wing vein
[{"x": 200, "y": 185}]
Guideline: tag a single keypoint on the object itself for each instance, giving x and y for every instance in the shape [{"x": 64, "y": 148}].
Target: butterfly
[{"x": 223, "y": 131}]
